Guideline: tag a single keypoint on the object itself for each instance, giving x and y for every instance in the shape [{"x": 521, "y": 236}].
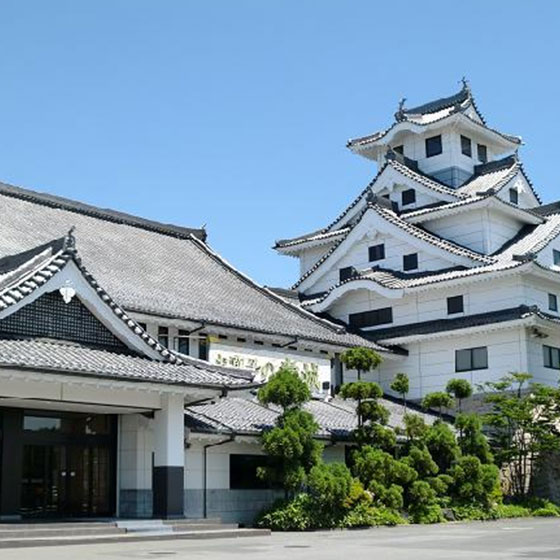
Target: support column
[
  {"x": 11, "y": 463},
  {"x": 169, "y": 458}
]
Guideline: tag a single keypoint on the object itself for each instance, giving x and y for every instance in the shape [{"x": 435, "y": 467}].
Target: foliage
[
  {"x": 421, "y": 461},
  {"x": 473, "y": 482},
  {"x": 368, "y": 516},
  {"x": 330, "y": 485},
  {"x": 423, "y": 506},
  {"x": 438, "y": 400},
  {"x": 415, "y": 427},
  {"x": 288, "y": 515},
  {"x": 401, "y": 385},
  {"x": 459, "y": 389},
  {"x": 361, "y": 359},
  {"x": 471, "y": 439},
  {"x": 524, "y": 427},
  {"x": 285, "y": 388},
  {"x": 442, "y": 445},
  {"x": 373, "y": 465}
]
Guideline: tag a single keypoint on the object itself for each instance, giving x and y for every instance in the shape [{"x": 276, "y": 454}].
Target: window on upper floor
[
  {"x": 408, "y": 197},
  {"x": 371, "y": 318},
  {"x": 552, "y": 302},
  {"x": 556, "y": 257},
  {"x": 203, "y": 347},
  {"x": 455, "y": 304},
  {"x": 410, "y": 262},
  {"x": 163, "y": 336},
  {"x": 551, "y": 357},
  {"x": 434, "y": 146},
  {"x": 142, "y": 325},
  {"x": 471, "y": 359},
  {"x": 466, "y": 146},
  {"x": 376, "y": 252},
  {"x": 514, "y": 196},
  {"x": 345, "y": 273},
  {"x": 399, "y": 149},
  {"x": 482, "y": 152},
  {"x": 182, "y": 343}
]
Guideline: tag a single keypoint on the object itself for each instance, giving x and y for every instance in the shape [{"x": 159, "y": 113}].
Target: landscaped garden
[{"x": 462, "y": 466}]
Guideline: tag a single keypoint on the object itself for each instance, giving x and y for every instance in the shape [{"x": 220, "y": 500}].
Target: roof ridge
[{"x": 107, "y": 214}]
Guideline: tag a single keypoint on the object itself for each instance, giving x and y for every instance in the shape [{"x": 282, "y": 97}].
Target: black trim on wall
[
  {"x": 168, "y": 489},
  {"x": 11, "y": 457}
]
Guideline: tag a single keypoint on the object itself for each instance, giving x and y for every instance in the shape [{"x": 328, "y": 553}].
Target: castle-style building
[{"x": 448, "y": 256}]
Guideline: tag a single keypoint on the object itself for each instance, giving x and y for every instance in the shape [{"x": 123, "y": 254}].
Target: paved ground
[{"x": 518, "y": 539}]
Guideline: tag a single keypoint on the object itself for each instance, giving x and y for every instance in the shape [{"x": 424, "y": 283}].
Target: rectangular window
[
  {"x": 455, "y": 305},
  {"x": 376, "y": 252},
  {"x": 345, "y": 273},
  {"x": 482, "y": 153},
  {"x": 556, "y": 257},
  {"x": 513, "y": 196},
  {"x": 433, "y": 146},
  {"x": 471, "y": 359},
  {"x": 408, "y": 197},
  {"x": 371, "y": 318},
  {"x": 552, "y": 302},
  {"x": 203, "y": 348},
  {"x": 243, "y": 471},
  {"x": 182, "y": 343},
  {"x": 466, "y": 146},
  {"x": 410, "y": 262},
  {"x": 551, "y": 357},
  {"x": 163, "y": 336},
  {"x": 399, "y": 149}
]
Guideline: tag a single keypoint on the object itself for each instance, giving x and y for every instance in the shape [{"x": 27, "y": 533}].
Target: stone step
[
  {"x": 216, "y": 533},
  {"x": 56, "y": 531},
  {"x": 17, "y": 526}
]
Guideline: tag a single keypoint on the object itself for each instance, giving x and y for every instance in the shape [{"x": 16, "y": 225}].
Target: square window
[
  {"x": 556, "y": 257},
  {"x": 410, "y": 262},
  {"x": 408, "y": 197},
  {"x": 470, "y": 359},
  {"x": 399, "y": 149},
  {"x": 552, "y": 302},
  {"x": 377, "y": 252},
  {"x": 466, "y": 146},
  {"x": 514, "y": 196},
  {"x": 482, "y": 153},
  {"x": 455, "y": 305},
  {"x": 433, "y": 146},
  {"x": 345, "y": 273},
  {"x": 462, "y": 360}
]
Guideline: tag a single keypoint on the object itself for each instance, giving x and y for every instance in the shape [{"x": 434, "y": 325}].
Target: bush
[
  {"x": 472, "y": 482},
  {"x": 288, "y": 515},
  {"x": 508, "y": 511},
  {"x": 423, "y": 506},
  {"x": 368, "y": 516},
  {"x": 329, "y": 485}
]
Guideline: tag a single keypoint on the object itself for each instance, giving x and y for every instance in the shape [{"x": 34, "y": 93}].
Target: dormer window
[
  {"x": 377, "y": 252},
  {"x": 410, "y": 262},
  {"x": 482, "y": 152},
  {"x": 466, "y": 146},
  {"x": 514, "y": 196},
  {"x": 408, "y": 197},
  {"x": 433, "y": 146}
]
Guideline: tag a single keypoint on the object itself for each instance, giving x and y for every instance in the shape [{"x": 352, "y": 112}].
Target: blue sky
[{"x": 236, "y": 113}]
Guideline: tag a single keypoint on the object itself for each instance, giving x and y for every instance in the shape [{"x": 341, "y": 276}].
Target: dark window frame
[
  {"x": 434, "y": 146},
  {"x": 243, "y": 471},
  {"x": 466, "y": 146},
  {"x": 203, "y": 347},
  {"x": 455, "y": 304},
  {"x": 556, "y": 257},
  {"x": 471, "y": 359},
  {"x": 163, "y": 336},
  {"x": 345, "y": 273},
  {"x": 551, "y": 357},
  {"x": 408, "y": 197},
  {"x": 182, "y": 342},
  {"x": 399, "y": 149},
  {"x": 372, "y": 318},
  {"x": 482, "y": 153},
  {"x": 410, "y": 261},
  {"x": 552, "y": 302},
  {"x": 514, "y": 196},
  {"x": 376, "y": 252}
]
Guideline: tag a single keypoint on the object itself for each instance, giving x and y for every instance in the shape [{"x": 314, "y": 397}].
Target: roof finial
[
  {"x": 70, "y": 239},
  {"x": 466, "y": 85},
  {"x": 400, "y": 114}
]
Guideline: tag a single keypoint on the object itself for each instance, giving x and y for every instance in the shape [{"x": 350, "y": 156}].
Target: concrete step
[
  {"x": 56, "y": 531},
  {"x": 216, "y": 533},
  {"x": 17, "y": 526}
]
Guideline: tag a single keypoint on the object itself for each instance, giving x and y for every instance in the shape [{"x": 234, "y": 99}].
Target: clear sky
[{"x": 235, "y": 113}]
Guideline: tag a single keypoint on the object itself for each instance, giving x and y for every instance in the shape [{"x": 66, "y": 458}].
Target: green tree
[
  {"x": 438, "y": 400},
  {"x": 523, "y": 426},
  {"x": 401, "y": 385},
  {"x": 361, "y": 359},
  {"x": 459, "y": 389},
  {"x": 471, "y": 439},
  {"x": 415, "y": 427},
  {"x": 472, "y": 482},
  {"x": 442, "y": 445},
  {"x": 291, "y": 444}
]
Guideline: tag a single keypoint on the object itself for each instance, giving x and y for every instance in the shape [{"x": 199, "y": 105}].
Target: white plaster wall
[
  {"x": 136, "y": 444},
  {"x": 526, "y": 197},
  {"x": 536, "y": 367},
  {"x": 310, "y": 256}
]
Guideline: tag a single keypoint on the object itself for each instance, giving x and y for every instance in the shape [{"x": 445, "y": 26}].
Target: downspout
[{"x": 205, "y": 469}]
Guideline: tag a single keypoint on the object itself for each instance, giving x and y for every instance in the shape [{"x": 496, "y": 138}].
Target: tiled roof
[
  {"x": 459, "y": 98},
  {"x": 246, "y": 416},
  {"x": 316, "y": 236},
  {"x": 457, "y": 323},
  {"x": 58, "y": 357},
  {"x": 181, "y": 277}
]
